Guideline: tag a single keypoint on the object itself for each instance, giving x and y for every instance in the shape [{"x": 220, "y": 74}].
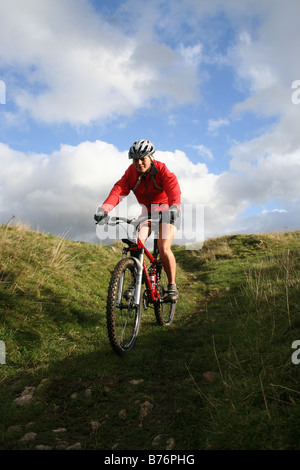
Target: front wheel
[
  {"x": 164, "y": 310},
  {"x": 122, "y": 316}
]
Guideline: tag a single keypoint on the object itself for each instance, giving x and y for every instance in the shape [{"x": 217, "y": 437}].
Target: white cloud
[
  {"x": 204, "y": 152},
  {"x": 266, "y": 60},
  {"x": 191, "y": 54},
  {"x": 268, "y": 221},
  {"x": 274, "y": 211},
  {"x": 60, "y": 191},
  {"x": 77, "y": 68},
  {"x": 215, "y": 124}
]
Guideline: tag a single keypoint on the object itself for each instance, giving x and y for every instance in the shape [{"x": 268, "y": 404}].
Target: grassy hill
[{"x": 221, "y": 377}]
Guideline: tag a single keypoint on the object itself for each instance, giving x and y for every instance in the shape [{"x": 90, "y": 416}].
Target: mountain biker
[{"x": 157, "y": 190}]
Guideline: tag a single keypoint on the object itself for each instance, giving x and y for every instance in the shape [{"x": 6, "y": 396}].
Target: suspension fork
[{"x": 139, "y": 276}]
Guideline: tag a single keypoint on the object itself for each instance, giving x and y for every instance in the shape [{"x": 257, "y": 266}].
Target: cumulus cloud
[
  {"x": 266, "y": 60},
  {"x": 77, "y": 68},
  {"x": 60, "y": 191}
]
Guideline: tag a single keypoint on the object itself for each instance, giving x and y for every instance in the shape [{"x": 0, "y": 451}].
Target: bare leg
[
  {"x": 144, "y": 231},
  {"x": 166, "y": 237}
]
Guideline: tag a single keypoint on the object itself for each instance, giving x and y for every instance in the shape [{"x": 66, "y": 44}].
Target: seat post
[{"x": 155, "y": 247}]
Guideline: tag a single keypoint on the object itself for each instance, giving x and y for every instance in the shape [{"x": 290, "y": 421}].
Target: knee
[{"x": 164, "y": 247}]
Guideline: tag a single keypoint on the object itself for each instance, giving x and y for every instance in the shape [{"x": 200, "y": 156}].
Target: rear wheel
[
  {"x": 164, "y": 310},
  {"x": 122, "y": 316}
]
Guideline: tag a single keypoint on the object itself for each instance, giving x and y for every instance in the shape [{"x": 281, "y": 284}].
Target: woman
[{"x": 157, "y": 190}]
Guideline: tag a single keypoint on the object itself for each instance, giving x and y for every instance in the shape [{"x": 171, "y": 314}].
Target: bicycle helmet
[{"x": 141, "y": 149}]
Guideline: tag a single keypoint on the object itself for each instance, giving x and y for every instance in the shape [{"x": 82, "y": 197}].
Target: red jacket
[{"x": 158, "y": 187}]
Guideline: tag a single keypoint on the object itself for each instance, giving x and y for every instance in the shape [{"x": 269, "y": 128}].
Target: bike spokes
[{"x": 123, "y": 316}]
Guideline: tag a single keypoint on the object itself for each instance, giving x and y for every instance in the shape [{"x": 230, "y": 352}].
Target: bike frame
[
  {"x": 142, "y": 251},
  {"x": 124, "y": 317},
  {"x": 138, "y": 250}
]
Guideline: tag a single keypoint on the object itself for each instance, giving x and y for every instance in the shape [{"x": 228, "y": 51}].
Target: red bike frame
[{"x": 139, "y": 246}]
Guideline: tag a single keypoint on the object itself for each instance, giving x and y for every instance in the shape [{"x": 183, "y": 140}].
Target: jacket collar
[{"x": 153, "y": 170}]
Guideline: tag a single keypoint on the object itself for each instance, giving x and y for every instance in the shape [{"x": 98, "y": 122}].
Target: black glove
[
  {"x": 174, "y": 213},
  {"x": 100, "y": 214},
  {"x": 171, "y": 215}
]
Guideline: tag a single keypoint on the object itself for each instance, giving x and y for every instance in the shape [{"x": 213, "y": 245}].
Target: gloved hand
[
  {"x": 100, "y": 214},
  {"x": 174, "y": 213},
  {"x": 171, "y": 215}
]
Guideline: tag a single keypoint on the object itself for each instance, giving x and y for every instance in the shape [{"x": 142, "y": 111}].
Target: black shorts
[{"x": 176, "y": 222}]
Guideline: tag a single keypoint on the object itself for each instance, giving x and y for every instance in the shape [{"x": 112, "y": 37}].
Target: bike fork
[{"x": 139, "y": 277}]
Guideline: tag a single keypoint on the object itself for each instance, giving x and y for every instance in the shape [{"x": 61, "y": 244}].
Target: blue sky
[{"x": 209, "y": 82}]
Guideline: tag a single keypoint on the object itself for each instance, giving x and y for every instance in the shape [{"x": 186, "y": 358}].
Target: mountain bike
[{"x": 126, "y": 297}]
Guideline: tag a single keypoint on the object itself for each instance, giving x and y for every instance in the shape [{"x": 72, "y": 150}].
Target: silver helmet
[{"x": 141, "y": 149}]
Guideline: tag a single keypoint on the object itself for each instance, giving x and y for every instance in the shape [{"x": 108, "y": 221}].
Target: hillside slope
[{"x": 221, "y": 377}]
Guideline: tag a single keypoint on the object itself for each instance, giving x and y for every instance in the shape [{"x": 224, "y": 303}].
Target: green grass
[{"x": 237, "y": 316}]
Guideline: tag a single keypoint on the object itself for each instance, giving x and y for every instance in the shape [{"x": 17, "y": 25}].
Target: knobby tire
[
  {"x": 164, "y": 311},
  {"x": 123, "y": 319}
]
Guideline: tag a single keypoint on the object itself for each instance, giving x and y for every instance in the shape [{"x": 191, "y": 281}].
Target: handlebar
[{"x": 112, "y": 221}]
